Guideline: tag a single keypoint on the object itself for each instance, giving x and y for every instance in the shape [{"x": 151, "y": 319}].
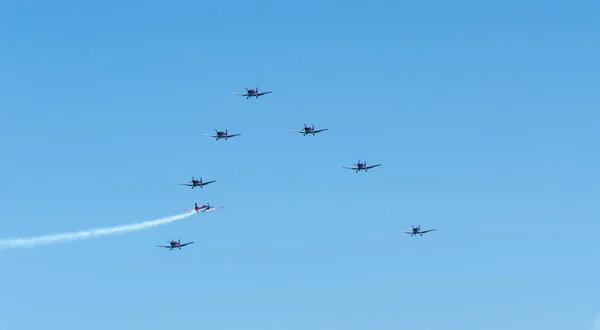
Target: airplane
[
  {"x": 196, "y": 183},
  {"x": 203, "y": 208},
  {"x": 360, "y": 166},
  {"x": 416, "y": 231},
  {"x": 221, "y": 135},
  {"x": 252, "y": 93},
  {"x": 175, "y": 244},
  {"x": 309, "y": 130}
]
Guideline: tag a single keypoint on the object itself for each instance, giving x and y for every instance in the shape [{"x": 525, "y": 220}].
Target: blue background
[{"x": 484, "y": 116}]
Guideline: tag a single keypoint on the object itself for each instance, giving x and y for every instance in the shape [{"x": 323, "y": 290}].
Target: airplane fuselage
[
  {"x": 308, "y": 130},
  {"x": 416, "y": 231}
]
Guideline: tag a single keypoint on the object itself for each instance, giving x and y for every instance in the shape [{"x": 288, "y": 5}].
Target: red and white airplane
[
  {"x": 196, "y": 183},
  {"x": 221, "y": 135},
  {"x": 252, "y": 93},
  {"x": 174, "y": 244},
  {"x": 416, "y": 231},
  {"x": 309, "y": 130},
  {"x": 360, "y": 166},
  {"x": 203, "y": 208}
]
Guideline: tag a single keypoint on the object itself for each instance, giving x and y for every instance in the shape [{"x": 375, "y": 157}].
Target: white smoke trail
[{"x": 90, "y": 233}]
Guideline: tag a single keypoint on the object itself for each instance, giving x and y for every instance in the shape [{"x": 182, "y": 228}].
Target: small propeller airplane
[
  {"x": 221, "y": 135},
  {"x": 252, "y": 93},
  {"x": 416, "y": 231},
  {"x": 173, "y": 244},
  {"x": 309, "y": 130},
  {"x": 196, "y": 183},
  {"x": 203, "y": 208},
  {"x": 360, "y": 166}
]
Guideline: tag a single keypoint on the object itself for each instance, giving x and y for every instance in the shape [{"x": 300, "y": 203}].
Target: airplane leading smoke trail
[{"x": 28, "y": 242}]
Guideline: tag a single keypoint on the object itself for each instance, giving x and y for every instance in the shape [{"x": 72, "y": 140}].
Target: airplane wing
[
  {"x": 370, "y": 167},
  {"x": 209, "y": 135},
  {"x": 232, "y": 135},
  {"x": 406, "y": 232},
  {"x": 188, "y": 243},
  {"x": 321, "y": 130},
  {"x": 296, "y": 131},
  {"x": 186, "y": 184},
  {"x": 242, "y": 94},
  {"x": 207, "y": 182},
  {"x": 213, "y": 209},
  {"x": 263, "y": 93},
  {"x": 426, "y": 231},
  {"x": 188, "y": 210},
  {"x": 165, "y": 246},
  {"x": 350, "y": 168}
]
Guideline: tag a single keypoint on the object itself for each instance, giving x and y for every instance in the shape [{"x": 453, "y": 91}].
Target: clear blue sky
[{"x": 484, "y": 116}]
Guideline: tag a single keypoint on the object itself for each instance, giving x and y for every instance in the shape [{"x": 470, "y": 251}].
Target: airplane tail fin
[{"x": 195, "y": 205}]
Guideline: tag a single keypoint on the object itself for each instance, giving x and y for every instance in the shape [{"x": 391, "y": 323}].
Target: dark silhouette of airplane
[
  {"x": 416, "y": 231},
  {"x": 309, "y": 130},
  {"x": 252, "y": 93},
  {"x": 196, "y": 183},
  {"x": 360, "y": 166},
  {"x": 221, "y": 135},
  {"x": 173, "y": 244}
]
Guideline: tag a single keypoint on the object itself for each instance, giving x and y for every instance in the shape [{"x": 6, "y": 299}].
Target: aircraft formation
[{"x": 359, "y": 166}]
